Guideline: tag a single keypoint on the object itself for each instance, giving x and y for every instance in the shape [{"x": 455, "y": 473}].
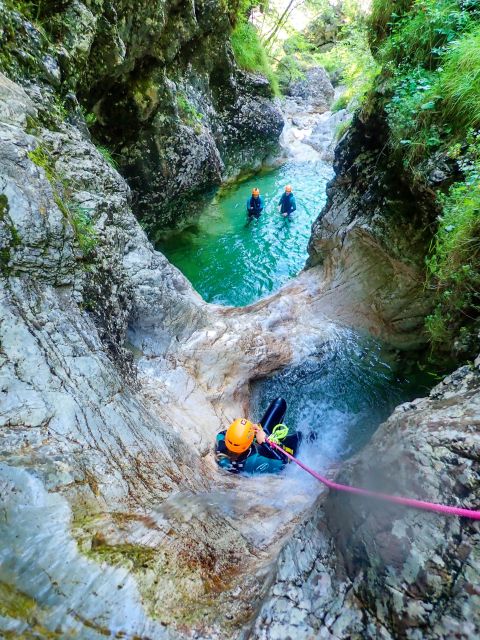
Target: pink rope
[{"x": 408, "y": 502}]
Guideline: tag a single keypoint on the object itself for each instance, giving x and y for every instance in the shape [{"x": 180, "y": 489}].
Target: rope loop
[{"x": 279, "y": 433}]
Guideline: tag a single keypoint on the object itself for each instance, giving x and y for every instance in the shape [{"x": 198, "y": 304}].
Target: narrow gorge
[{"x": 131, "y": 135}]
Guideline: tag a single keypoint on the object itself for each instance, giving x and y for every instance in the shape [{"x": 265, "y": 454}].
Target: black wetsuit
[
  {"x": 254, "y": 207},
  {"x": 287, "y": 203},
  {"x": 259, "y": 458}
]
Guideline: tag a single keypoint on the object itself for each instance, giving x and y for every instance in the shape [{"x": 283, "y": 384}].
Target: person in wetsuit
[
  {"x": 243, "y": 447},
  {"x": 287, "y": 204},
  {"x": 254, "y": 205}
]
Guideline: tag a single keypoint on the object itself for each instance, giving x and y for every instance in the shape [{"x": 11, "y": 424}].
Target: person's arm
[
  {"x": 261, "y": 203},
  {"x": 264, "y": 449},
  {"x": 249, "y": 204},
  {"x": 294, "y": 204}
]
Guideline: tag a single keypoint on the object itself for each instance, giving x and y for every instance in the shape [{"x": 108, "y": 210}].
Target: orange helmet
[
  {"x": 288, "y": 188},
  {"x": 239, "y": 435},
  {"x": 255, "y": 192}
]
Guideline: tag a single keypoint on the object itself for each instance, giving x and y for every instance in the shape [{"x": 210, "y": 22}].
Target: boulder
[
  {"x": 323, "y": 137},
  {"x": 315, "y": 89}
]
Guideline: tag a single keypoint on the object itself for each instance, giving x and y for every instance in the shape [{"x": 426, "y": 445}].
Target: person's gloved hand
[{"x": 259, "y": 433}]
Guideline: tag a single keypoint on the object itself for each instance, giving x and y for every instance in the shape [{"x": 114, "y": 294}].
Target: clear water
[{"x": 231, "y": 263}]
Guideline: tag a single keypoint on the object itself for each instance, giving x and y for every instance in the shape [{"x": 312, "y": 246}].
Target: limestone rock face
[
  {"x": 106, "y": 466},
  {"x": 372, "y": 236},
  {"x": 114, "y": 379},
  {"x": 315, "y": 88},
  {"x": 157, "y": 84},
  {"x": 115, "y": 376},
  {"x": 360, "y": 568}
]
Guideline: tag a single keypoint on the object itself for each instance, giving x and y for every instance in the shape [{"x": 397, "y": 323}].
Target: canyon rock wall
[
  {"x": 358, "y": 568},
  {"x": 115, "y": 375},
  {"x": 156, "y": 82},
  {"x": 373, "y": 234}
]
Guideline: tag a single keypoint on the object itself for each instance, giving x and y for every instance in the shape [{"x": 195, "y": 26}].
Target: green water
[{"x": 233, "y": 264}]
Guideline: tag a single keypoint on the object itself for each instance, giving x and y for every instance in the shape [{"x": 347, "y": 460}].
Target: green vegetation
[
  {"x": 132, "y": 556},
  {"x": 289, "y": 69},
  {"x": 250, "y": 53},
  {"x": 349, "y": 58},
  {"x": 189, "y": 113},
  {"x": 422, "y": 35},
  {"x": 12, "y": 242},
  {"x": 430, "y": 53},
  {"x": 107, "y": 154},
  {"x": 42, "y": 158},
  {"x": 31, "y": 10},
  {"x": 431, "y": 56},
  {"x": 454, "y": 261},
  {"x": 4, "y": 207},
  {"x": 22, "y": 48},
  {"x": 342, "y": 128},
  {"x": 89, "y": 117},
  {"x": 78, "y": 217},
  {"x": 381, "y": 17},
  {"x": 352, "y": 61},
  {"x": 17, "y": 605},
  {"x": 457, "y": 88},
  {"x": 238, "y": 10},
  {"x": 81, "y": 221}
]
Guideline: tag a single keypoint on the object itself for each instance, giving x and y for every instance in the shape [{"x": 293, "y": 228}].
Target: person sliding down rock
[
  {"x": 287, "y": 204},
  {"x": 243, "y": 447},
  {"x": 254, "y": 205}
]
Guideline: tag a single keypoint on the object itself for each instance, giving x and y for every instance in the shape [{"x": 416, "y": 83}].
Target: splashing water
[
  {"x": 336, "y": 399},
  {"x": 231, "y": 263}
]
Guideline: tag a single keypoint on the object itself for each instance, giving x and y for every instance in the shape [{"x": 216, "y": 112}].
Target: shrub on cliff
[
  {"x": 250, "y": 53},
  {"x": 454, "y": 260},
  {"x": 430, "y": 53},
  {"x": 349, "y": 60}
]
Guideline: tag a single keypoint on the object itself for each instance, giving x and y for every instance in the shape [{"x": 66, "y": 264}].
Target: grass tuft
[
  {"x": 458, "y": 84},
  {"x": 383, "y": 16},
  {"x": 77, "y": 216},
  {"x": 107, "y": 154},
  {"x": 250, "y": 53}
]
